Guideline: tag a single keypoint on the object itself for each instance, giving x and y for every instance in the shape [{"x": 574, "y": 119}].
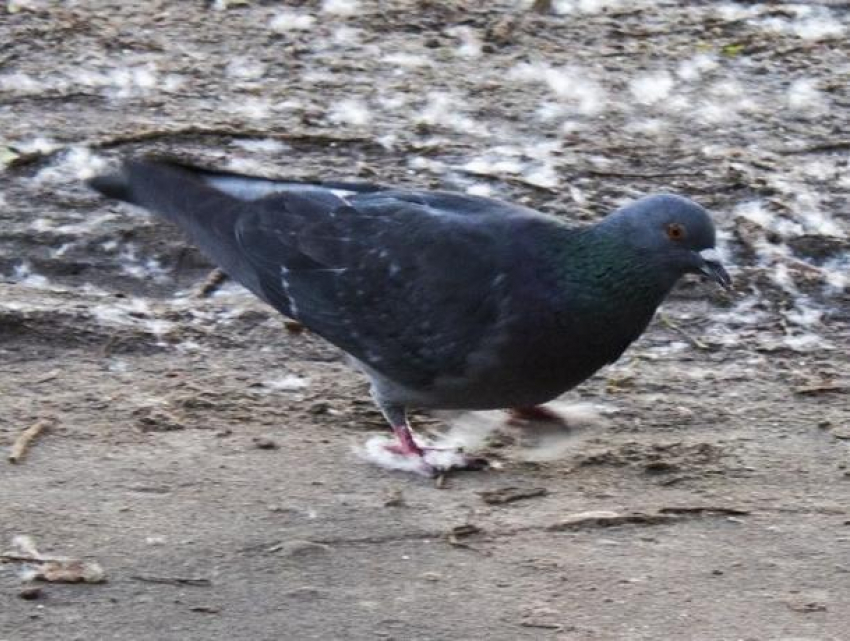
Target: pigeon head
[{"x": 676, "y": 233}]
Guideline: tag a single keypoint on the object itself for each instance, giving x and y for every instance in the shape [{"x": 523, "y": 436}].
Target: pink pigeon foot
[{"x": 433, "y": 460}]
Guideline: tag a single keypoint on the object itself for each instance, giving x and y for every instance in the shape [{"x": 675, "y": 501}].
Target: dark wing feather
[{"x": 405, "y": 288}]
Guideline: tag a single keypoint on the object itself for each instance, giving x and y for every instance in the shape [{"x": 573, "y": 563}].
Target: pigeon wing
[{"x": 409, "y": 289}]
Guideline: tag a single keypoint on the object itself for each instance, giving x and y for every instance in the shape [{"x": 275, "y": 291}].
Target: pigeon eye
[{"x": 675, "y": 231}]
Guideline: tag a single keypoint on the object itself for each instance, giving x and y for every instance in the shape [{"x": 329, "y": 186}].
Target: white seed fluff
[
  {"x": 291, "y": 21},
  {"x": 651, "y": 88}
]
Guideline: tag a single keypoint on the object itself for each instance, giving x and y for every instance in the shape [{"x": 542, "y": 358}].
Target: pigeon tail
[
  {"x": 175, "y": 191},
  {"x": 180, "y": 194}
]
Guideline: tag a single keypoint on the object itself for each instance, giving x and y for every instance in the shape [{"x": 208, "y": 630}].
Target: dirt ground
[{"x": 204, "y": 455}]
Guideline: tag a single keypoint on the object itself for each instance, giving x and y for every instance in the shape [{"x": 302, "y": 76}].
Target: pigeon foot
[{"x": 433, "y": 461}]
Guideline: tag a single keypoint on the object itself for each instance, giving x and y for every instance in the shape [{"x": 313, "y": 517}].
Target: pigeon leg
[
  {"x": 523, "y": 416},
  {"x": 397, "y": 418},
  {"x": 406, "y": 445},
  {"x": 441, "y": 459}
]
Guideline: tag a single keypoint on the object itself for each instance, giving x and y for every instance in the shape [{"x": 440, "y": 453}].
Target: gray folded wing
[{"x": 410, "y": 290}]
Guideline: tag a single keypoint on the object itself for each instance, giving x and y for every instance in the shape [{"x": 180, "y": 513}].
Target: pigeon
[{"x": 444, "y": 300}]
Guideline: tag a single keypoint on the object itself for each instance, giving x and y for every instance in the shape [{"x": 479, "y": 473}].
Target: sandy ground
[{"x": 205, "y": 456}]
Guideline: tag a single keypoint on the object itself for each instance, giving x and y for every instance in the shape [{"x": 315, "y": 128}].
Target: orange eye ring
[{"x": 675, "y": 231}]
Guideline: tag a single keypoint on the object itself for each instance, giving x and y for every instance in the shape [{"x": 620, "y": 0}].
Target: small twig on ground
[
  {"x": 835, "y": 145},
  {"x": 22, "y": 558},
  {"x": 45, "y": 378},
  {"x": 211, "y": 284},
  {"x": 603, "y": 173},
  {"x": 694, "y": 342},
  {"x": 542, "y": 625},
  {"x": 594, "y": 520},
  {"x": 511, "y": 494},
  {"x": 167, "y": 580},
  {"x": 821, "y": 388},
  {"x": 703, "y": 509},
  {"x": 56, "y": 95},
  {"x": 19, "y": 447}
]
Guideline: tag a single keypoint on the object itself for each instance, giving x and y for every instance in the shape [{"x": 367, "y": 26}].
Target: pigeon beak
[{"x": 713, "y": 268}]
